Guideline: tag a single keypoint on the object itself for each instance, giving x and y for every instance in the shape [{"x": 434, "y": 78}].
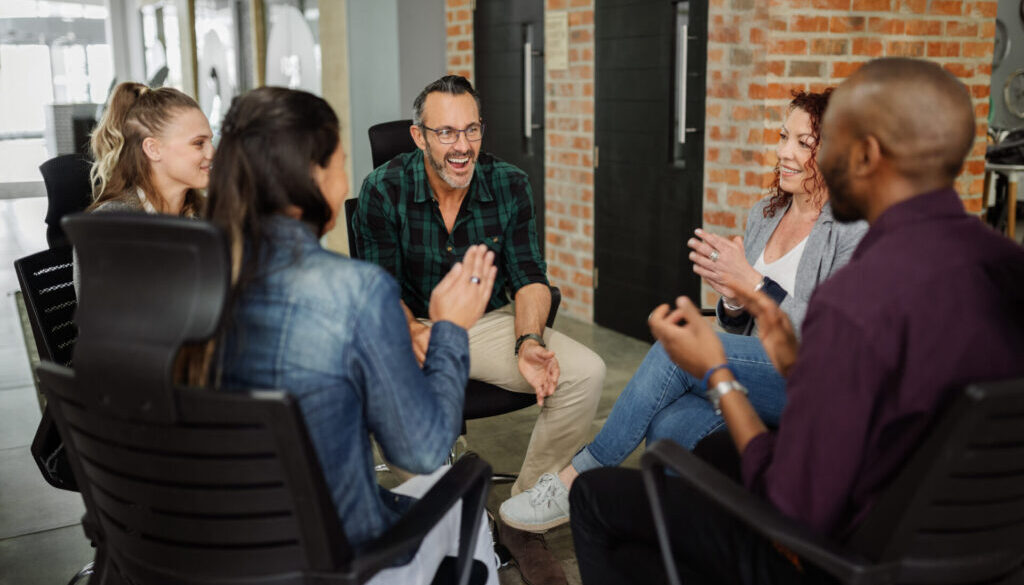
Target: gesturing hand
[
  {"x": 773, "y": 327},
  {"x": 539, "y": 367},
  {"x": 463, "y": 293},
  {"x": 420, "y": 334},
  {"x": 721, "y": 262},
  {"x": 687, "y": 338}
]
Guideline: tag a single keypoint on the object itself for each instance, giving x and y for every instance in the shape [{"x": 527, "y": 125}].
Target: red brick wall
[
  {"x": 459, "y": 50},
  {"x": 569, "y": 181},
  {"x": 759, "y": 51},
  {"x": 569, "y": 164}
]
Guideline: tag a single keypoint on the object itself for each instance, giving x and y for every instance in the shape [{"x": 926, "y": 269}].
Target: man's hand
[
  {"x": 773, "y": 327},
  {"x": 539, "y": 367},
  {"x": 420, "y": 334},
  {"x": 687, "y": 338}
]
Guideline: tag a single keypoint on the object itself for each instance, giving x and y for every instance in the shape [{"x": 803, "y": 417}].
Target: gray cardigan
[
  {"x": 127, "y": 203},
  {"x": 829, "y": 247}
]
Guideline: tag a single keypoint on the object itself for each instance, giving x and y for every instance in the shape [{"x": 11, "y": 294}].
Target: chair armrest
[
  {"x": 469, "y": 481},
  {"x": 556, "y": 299},
  {"x": 755, "y": 512}
]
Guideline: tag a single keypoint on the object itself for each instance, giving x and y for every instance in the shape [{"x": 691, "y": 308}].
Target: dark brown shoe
[{"x": 537, "y": 565}]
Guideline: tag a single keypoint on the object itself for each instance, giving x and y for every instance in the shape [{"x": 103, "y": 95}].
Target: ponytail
[
  {"x": 135, "y": 112},
  {"x": 107, "y": 140}
]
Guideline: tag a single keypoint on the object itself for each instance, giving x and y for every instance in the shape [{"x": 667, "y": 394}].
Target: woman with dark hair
[
  {"x": 329, "y": 329},
  {"x": 792, "y": 244}
]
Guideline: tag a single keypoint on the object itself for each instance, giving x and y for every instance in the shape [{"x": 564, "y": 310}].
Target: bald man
[{"x": 931, "y": 300}]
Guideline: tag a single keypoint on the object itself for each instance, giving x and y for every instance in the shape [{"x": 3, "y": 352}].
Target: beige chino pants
[{"x": 563, "y": 425}]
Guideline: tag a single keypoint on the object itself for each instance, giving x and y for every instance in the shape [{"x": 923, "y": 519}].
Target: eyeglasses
[{"x": 448, "y": 135}]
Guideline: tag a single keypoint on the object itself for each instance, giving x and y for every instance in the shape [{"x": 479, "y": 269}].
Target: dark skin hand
[
  {"x": 693, "y": 345},
  {"x": 773, "y": 328}
]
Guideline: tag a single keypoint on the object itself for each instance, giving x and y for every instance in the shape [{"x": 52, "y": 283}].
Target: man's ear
[
  {"x": 151, "y": 148},
  {"x": 418, "y": 137},
  {"x": 865, "y": 156}
]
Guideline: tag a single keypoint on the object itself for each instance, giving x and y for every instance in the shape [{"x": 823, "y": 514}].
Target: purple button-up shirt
[{"x": 931, "y": 301}]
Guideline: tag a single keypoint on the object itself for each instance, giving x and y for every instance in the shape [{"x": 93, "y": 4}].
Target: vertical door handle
[
  {"x": 681, "y": 71},
  {"x": 528, "y": 89}
]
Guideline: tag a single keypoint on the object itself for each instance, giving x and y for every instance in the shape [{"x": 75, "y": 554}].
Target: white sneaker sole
[{"x": 535, "y": 528}]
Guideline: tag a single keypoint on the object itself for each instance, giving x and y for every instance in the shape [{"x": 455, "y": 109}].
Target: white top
[{"x": 783, "y": 270}]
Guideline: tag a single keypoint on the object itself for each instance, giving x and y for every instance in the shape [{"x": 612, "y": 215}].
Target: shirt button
[
  {"x": 449, "y": 248},
  {"x": 494, "y": 239}
]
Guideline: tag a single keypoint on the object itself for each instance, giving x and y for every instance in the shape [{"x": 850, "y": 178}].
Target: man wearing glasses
[{"x": 419, "y": 213}]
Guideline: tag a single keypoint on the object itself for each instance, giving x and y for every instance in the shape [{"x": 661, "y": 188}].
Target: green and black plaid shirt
[{"x": 398, "y": 225}]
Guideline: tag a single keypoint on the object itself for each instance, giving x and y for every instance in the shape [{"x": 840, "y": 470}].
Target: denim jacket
[{"x": 329, "y": 330}]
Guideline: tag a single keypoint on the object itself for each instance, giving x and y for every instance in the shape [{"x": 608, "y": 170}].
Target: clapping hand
[
  {"x": 462, "y": 295},
  {"x": 722, "y": 263}
]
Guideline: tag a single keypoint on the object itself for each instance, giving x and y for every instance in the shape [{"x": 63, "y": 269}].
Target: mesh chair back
[
  {"x": 68, "y": 190},
  {"x": 182, "y": 485},
  {"x": 956, "y": 510},
  {"x": 390, "y": 139},
  {"x": 229, "y": 489},
  {"x": 46, "y": 285}
]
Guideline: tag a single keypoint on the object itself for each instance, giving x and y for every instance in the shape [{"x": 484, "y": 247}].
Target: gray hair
[{"x": 450, "y": 84}]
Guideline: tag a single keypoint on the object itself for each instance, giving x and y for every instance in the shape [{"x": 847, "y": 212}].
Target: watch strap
[
  {"x": 523, "y": 338},
  {"x": 716, "y": 392}
]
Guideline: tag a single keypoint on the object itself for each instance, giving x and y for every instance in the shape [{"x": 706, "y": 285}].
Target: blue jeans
[{"x": 662, "y": 401}]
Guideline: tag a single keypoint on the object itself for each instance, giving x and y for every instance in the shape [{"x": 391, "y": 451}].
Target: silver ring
[
  {"x": 474, "y": 279},
  {"x": 713, "y": 255}
]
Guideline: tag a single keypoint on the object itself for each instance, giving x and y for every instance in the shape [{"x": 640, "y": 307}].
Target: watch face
[
  {"x": 1002, "y": 46},
  {"x": 1013, "y": 93}
]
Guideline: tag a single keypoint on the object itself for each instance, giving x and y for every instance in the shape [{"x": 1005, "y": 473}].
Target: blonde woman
[{"x": 152, "y": 153}]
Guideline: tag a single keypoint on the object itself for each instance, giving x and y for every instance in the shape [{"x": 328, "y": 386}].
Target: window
[{"x": 55, "y": 69}]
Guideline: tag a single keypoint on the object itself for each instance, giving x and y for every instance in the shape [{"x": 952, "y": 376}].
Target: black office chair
[
  {"x": 953, "y": 514},
  {"x": 390, "y": 139},
  {"x": 68, "y": 190},
  {"x": 46, "y": 285},
  {"x": 196, "y": 486}
]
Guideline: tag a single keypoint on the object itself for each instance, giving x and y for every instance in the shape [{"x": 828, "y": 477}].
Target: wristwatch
[
  {"x": 716, "y": 392},
  {"x": 522, "y": 339}
]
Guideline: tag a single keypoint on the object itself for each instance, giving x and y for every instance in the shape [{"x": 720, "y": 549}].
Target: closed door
[
  {"x": 650, "y": 68},
  {"x": 509, "y": 57}
]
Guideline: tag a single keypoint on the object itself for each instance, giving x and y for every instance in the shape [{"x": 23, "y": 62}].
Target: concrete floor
[{"x": 41, "y": 540}]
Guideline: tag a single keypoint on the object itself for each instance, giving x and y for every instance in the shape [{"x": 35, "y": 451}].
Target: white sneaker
[{"x": 539, "y": 508}]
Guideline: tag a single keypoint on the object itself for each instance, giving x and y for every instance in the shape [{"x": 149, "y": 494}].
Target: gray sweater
[
  {"x": 127, "y": 203},
  {"x": 829, "y": 247}
]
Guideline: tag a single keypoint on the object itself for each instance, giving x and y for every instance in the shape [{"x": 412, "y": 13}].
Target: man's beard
[
  {"x": 442, "y": 171},
  {"x": 837, "y": 177}
]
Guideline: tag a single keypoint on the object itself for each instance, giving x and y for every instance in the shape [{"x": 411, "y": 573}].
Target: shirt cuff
[
  {"x": 529, "y": 277},
  {"x": 774, "y": 290},
  {"x": 755, "y": 460},
  {"x": 450, "y": 335}
]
